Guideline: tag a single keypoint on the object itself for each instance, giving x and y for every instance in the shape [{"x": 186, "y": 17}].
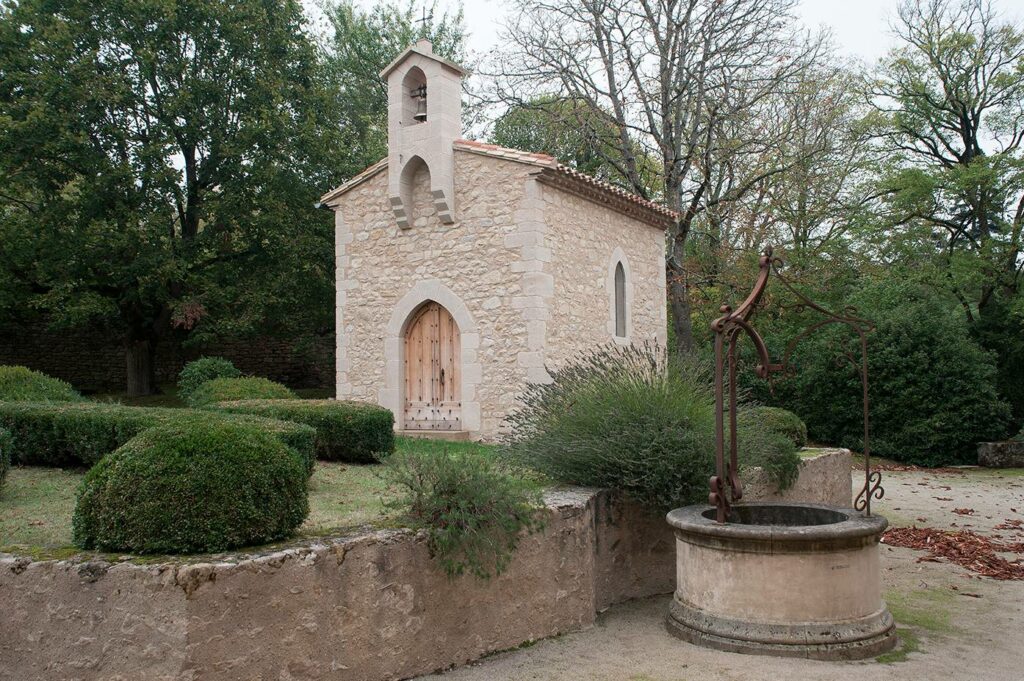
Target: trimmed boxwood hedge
[
  {"x": 777, "y": 420},
  {"x": 6, "y": 443},
  {"x": 231, "y": 389},
  {"x": 355, "y": 432},
  {"x": 201, "y": 370},
  {"x": 80, "y": 434},
  {"x": 21, "y": 384},
  {"x": 192, "y": 487}
]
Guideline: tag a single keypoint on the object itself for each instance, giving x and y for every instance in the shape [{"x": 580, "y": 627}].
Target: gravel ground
[{"x": 953, "y": 624}]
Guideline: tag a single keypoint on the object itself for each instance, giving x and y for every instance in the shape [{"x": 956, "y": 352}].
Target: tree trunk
[
  {"x": 679, "y": 301},
  {"x": 140, "y": 368}
]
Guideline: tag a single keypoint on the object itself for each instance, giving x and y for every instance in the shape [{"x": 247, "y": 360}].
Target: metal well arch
[{"x": 728, "y": 329}]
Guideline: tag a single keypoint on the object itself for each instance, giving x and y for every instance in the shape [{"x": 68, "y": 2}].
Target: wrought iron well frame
[{"x": 725, "y": 484}]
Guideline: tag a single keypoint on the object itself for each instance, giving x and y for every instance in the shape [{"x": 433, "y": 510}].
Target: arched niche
[{"x": 413, "y": 81}]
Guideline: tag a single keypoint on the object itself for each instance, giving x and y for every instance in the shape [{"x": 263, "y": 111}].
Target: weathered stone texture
[
  {"x": 587, "y": 239},
  {"x": 378, "y": 263},
  {"x": 824, "y": 478},
  {"x": 370, "y": 607},
  {"x": 1009, "y": 454},
  {"x": 526, "y": 264}
]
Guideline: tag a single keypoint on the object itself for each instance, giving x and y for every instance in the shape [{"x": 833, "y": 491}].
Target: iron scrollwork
[{"x": 726, "y": 487}]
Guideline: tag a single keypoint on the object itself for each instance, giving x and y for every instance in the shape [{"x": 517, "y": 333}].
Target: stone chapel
[{"x": 464, "y": 269}]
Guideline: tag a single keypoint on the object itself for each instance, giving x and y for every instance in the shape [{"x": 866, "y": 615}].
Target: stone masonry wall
[
  {"x": 92, "y": 363},
  {"x": 370, "y": 607},
  {"x": 474, "y": 259},
  {"x": 587, "y": 242},
  {"x": 363, "y": 608}
]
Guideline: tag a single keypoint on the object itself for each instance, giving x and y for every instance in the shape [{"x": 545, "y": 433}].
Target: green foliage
[
  {"x": 201, "y": 370},
  {"x": 20, "y": 384},
  {"x": 160, "y": 167},
  {"x": 190, "y": 488},
  {"x": 473, "y": 510},
  {"x": 932, "y": 388},
  {"x": 575, "y": 134},
  {"x": 628, "y": 419},
  {"x": 234, "y": 389},
  {"x": 771, "y": 451},
  {"x": 362, "y": 43},
  {"x": 777, "y": 420},
  {"x": 80, "y": 434},
  {"x": 6, "y": 445},
  {"x": 355, "y": 432}
]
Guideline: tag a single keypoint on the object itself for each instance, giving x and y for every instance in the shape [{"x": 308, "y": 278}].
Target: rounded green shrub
[
  {"x": 234, "y": 389},
  {"x": 354, "y": 432},
  {"x": 21, "y": 384},
  {"x": 777, "y": 420},
  {"x": 201, "y": 370},
  {"x": 191, "y": 488},
  {"x": 6, "y": 444},
  {"x": 627, "y": 419}
]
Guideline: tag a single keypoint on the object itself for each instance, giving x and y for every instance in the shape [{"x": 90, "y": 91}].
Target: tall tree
[
  {"x": 360, "y": 43},
  {"x": 684, "y": 80},
  {"x": 159, "y": 161},
  {"x": 573, "y": 133},
  {"x": 950, "y": 103}
]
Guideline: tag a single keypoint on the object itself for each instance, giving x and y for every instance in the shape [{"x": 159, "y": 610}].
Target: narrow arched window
[{"x": 620, "y": 301}]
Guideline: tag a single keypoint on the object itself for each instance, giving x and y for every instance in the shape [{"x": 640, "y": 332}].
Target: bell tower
[{"x": 424, "y": 119}]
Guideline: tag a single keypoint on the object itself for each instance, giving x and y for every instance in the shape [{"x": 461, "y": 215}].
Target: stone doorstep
[{"x": 447, "y": 435}]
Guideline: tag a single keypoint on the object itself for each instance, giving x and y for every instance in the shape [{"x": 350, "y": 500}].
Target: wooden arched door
[{"x": 433, "y": 374}]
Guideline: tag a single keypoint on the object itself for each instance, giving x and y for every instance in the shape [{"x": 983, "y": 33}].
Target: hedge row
[
  {"x": 80, "y": 434},
  {"x": 190, "y": 487},
  {"x": 6, "y": 443},
  {"x": 354, "y": 432}
]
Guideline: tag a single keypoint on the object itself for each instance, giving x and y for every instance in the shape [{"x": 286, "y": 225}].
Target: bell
[{"x": 420, "y": 95}]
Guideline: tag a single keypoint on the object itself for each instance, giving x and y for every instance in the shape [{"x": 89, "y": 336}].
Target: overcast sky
[{"x": 860, "y": 27}]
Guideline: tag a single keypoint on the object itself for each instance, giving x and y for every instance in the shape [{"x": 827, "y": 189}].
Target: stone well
[{"x": 786, "y": 579}]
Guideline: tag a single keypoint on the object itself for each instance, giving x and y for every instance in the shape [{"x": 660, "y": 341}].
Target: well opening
[{"x": 778, "y": 515}]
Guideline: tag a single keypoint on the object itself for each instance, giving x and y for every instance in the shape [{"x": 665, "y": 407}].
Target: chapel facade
[{"x": 464, "y": 269}]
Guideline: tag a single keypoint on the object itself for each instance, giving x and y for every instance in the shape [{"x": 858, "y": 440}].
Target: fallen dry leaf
[{"x": 964, "y": 548}]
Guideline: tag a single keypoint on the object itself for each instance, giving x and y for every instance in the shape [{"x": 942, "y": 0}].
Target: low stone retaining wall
[
  {"x": 368, "y": 607},
  {"x": 825, "y": 478},
  {"x": 1009, "y": 454}
]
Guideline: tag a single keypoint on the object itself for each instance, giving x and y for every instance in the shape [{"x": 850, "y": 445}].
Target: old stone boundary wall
[
  {"x": 92, "y": 363},
  {"x": 362, "y": 608}
]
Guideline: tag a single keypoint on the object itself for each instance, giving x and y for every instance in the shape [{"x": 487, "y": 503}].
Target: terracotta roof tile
[{"x": 550, "y": 163}]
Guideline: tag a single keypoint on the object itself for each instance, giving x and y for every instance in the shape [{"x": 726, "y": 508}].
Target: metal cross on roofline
[
  {"x": 426, "y": 17},
  {"x": 727, "y": 330}
]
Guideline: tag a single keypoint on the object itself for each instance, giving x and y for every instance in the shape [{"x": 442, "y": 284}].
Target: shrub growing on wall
[
  {"x": 474, "y": 511},
  {"x": 932, "y": 388},
  {"x": 777, "y": 420},
  {"x": 190, "y": 488},
  {"x": 355, "y": 432},
  {"x": 20, "y": 384},
  {"x": 234, "y": 389},
  {"x": 201, "y": 370},
  {"x": 629, "y": 419}
]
